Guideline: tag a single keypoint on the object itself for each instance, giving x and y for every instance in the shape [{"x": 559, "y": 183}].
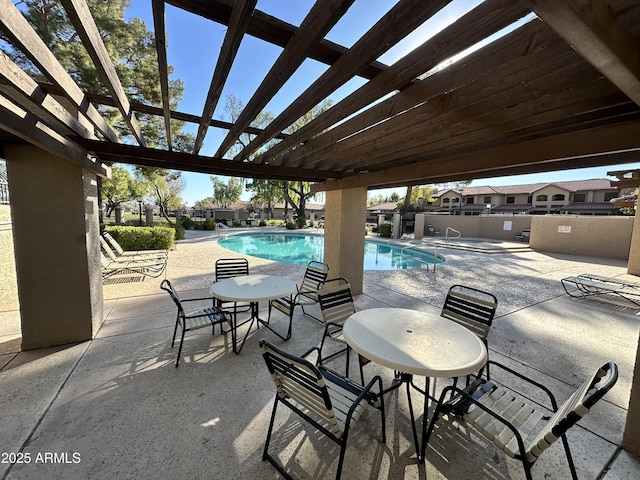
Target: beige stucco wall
[
  {"x": 8, "y": 285},
  {"x": 608, "y": 237}
]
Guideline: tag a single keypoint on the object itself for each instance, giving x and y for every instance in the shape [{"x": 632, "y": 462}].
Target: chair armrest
[
  {"x": 469, "y": 400},
  {"x": 552, "y": 398},
  {"x": 196, "y": 299}
]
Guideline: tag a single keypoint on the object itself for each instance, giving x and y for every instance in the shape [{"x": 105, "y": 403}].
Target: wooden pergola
[{"x": 560, "y": 91}]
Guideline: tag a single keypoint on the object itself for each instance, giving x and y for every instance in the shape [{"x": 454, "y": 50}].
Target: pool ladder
[{"x": 453, "y": 230}]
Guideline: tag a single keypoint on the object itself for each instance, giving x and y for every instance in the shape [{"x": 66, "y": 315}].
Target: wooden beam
[
  {"x": 272, "y": 30},
  {"x": 529, "y": 155},
  {"x": 240, "y": 17},
  {"x": 497, "y": 61},
  {"x": 153, "y": 110},
  {"x": 470, "y": 29},
  {"x": 22, "y": 90},
  {"x": 31, "y": 129},
  {"x": 18, "y": 30},
  {"x": 86, "y": 28},
  {"x": 397, "y": 23},
  {"x": 163, "y": 65},
  {"x": 591, "y": 27},
  {"x": 135, "y": 155},
  {"x": 320, "y": 19}
]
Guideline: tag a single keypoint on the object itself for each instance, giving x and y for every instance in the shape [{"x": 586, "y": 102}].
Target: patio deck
[{"x": 115, "y": 407}]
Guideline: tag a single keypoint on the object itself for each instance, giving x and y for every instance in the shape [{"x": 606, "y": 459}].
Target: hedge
[{"x": 143, "y": 238}]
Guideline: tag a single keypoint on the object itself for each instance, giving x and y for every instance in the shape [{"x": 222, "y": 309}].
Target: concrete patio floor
[{"x": 116, "y": 407}]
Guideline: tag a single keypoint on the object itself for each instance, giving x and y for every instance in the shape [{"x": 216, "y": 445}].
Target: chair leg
[
  {"x": 180, "y": 347},
  {"x": 270, "y": 430},
  {"x": 175, "y": 330},
  {"x": 572, "y": 467}
]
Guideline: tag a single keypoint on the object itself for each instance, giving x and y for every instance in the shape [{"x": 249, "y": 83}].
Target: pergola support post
[
  {"x": 54, "y": 209},
  {"x": 344, "y": 233}
]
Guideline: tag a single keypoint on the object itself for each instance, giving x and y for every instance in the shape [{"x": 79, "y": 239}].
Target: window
[
  {"x": 511, "y": 199},
  {"x": 541, "y": 198},
  {"x": 558, "y": 196},
  {"x": 579, "y": 197},
  {"x": 486, "y": 200},
  {"x": 609, "y": 196},
  {"x": 469, "y": 200},
  {"x": 445, "y": 200},
  {"x": 455, "y": 200},
  {"x": 530, "y": 199}
]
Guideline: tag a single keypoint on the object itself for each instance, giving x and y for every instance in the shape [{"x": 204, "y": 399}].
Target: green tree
[
  {"x": 265, "y": 194},
  {"x": 226, "y": 194},
  {"x": 132, "y": 51},
  {"x": 120, "y": 188},
  {"x": 162, "y": 187}
]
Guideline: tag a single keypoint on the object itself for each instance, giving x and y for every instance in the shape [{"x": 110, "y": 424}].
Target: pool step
[{"x": 485, "y": 249}]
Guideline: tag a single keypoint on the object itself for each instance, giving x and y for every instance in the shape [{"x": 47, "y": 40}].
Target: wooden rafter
[
  {"x": 469, "y": 30},
  {"x": 86, "y": 28},
  {"x": 238, "y": 23},
  {"x": 272, "y": 30},
  {"x": 320, "y": 19},
  {"x": 152, "y": 110},
  {"x": 591, "y": 27},
  {"x": 555, "y": 150},
  {"x": 30, "y": 128},
  {"x": 388, "y": 31},
  {"x": 26, "y": 39},
  {"x": 163, "y": 65},
  {"x": 186, "y": 161},
  {"x": 22, "y": 90}
]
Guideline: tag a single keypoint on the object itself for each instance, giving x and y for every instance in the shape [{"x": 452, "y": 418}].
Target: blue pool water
[{"x": 299, "y": 249}]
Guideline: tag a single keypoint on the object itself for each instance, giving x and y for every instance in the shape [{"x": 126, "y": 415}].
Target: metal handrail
[{"x": 446, "y": 235}]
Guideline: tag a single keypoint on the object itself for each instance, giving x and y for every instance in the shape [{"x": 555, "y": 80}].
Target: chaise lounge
[{"x": 587, "y": 285}]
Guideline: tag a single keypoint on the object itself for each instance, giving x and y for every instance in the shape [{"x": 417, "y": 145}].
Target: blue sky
[{"x": 190, "y": 37}]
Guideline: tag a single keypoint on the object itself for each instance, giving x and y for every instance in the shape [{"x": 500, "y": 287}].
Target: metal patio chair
[
  {"x": 336, "y": 304},
  {"x": 229, "y": 268},
  {"x": 194, "y": 319},
  {"x": 330, "y": 402},
  {"x": 522, "y": 430},
  {"x": 471, "y": 308},
  {"x": 314, "y": 276}
]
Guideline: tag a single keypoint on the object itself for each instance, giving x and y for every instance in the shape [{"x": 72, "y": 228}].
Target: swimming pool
[{"x": 299, "y": 249}]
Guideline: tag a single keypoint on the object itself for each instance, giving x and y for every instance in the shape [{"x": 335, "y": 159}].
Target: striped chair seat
[
  {"x": 327, "y": 400},
  {"x": 517, "y": 427},
  {"x": 195, "y": 319},
  {"x": 314, "y": 275},
  {"x": 336, "y": 305}
]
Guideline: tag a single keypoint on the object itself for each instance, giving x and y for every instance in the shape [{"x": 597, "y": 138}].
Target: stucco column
[
  {"x": 54, "y": 208},
  {"x": 631, "y": 437},
  {"x": 418, "y": 231},
  {"x": 344, "y": 232},
  {"x": 633, "y": 266}
]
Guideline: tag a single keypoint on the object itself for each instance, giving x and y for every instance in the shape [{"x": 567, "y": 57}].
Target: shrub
[
  {"x": 209, "y": 224},
  {"x": 143, "y": 238},
  {"x": 385, "y": 230},
  {"x": 262, "y": 223},
  {"x": 292, "y": 226},
  {"x": 186, "y": 222},
  {"x": 180, "y": 231}
]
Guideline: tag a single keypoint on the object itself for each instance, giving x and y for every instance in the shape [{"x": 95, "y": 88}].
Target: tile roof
[{"x": 571, "y": 186}]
